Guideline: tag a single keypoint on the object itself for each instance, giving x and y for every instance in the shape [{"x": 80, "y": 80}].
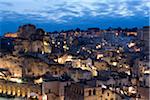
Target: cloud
[
  {"x": 6, "y": 4},
  {"x": 65, "y": 10}
]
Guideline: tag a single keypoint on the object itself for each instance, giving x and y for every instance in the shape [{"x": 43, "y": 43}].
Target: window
[
  {"x": 111, "y": 99},
  {"x": 90, "y": 93},
  {"x": 81, "y": 92},
  {"x": 102, "y": 91},
  {"x": 55, "y": 72},
  {"x": 107, "y": 94},
  {"x": 94, "y": 92},
  {"x": 119, "y": 84},
  {"x": 49, "y": 91}
]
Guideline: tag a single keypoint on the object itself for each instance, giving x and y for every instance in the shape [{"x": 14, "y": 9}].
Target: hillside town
[{"x": 91, "y": 64}]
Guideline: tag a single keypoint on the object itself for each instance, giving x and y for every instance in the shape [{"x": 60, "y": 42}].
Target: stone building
[
  {"x": 101, "y": 65},
  {"x": 26, "y": 30},
  {"x": 12, "y": 64},
  {"x": 81, "y": 91},
  {"x": 24, "y": 90},
  {"x": 30, "y": 39},
  {"x": 36, "y": 67},
  {"x": 54, "y": 89},
  {"x": 78, "y": 74}
]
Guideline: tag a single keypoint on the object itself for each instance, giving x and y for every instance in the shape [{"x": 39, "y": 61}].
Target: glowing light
[
  {"x": 132, "y": 33},
  {"x": 45, "y": 33},
  {"x": 126, "y": 66},
  {"x": 59, "y": 60},
  {"x": 103, "y": 44},
  {"x": 42, "y": 52},
  {"x": 9, "y": 90},
  {"x": 100, "y": 56},
  {"x": 23, "y": 94},
  {"x": 53, "y": 42},
  {"x": 94, "y": 73},
  {"x": 65, "y": 47},
  {"x": 89, "y": 51},
  {"x": 44, "y": 97},
  {"x": 55, "y": 60},
  {"x": 33, "y": 95},
  {"x": 0, "y": 89},
  {"x": 137, "y": 49},
  {"x": 12, "y": 35},
  {"x": 40, "y": 80},
  {"x": 147, "y": 72},
  {"x": 13, "y": 93},
  {"x": 118, "y": 51},
  {"x": 45, "y": 43},
  {"x": 103, "y": 86},
  {"x": 128, "y": 72},
  {"x": 4, "y": 90},
  {"x": 114, "y": 63},
  {"x": 58, "y": 43},
  {"x": 16, "y": 80},
  {"x": 116, "y": 34},
  {"x": 98, "y": 46},
  {"x": 122, "y": 92},
  {"x": 132, "y": 90},
  {"x": 69, "y": 58},
  {"x": 83, "y": 48},
  {"x": 131, "y": 44}
]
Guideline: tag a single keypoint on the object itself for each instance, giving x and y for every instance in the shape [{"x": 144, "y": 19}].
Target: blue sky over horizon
[{"x": 54, "y": 15}]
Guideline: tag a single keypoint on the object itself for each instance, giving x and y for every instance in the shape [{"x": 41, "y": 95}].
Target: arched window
[
  {"x": 90, "y": 92},
  {"x": 107, "y": 94},
  {"x": 94, "y": 92}
]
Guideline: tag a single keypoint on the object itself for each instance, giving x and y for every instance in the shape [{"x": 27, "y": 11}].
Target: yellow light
[
  {"x": 45, "y": 43},
  {"x": 55, "y": 60},
  {"x": 53, "y": 42},
  {"x": 9, "y": 90},
  {"x": 18, "y": 92},
  {"x": 118, "y": 51},
  {"x": 100, "y": 56},
  {"x": 114, "y": 63},
  {"x": 0, "y": 89},
  {"x": 59, "y": 60},
  {"x": 13, "y": 93},
  {"x": 98, "y": 46},
  {"x": 23, "y": 94},
  {"x": 15, "y": 80},
  {"x": 44, "y": 97},
  {"x": 4, "y": 90},
  {"x": 147, "y": 71},
  {"x": 40, "y": 80}
]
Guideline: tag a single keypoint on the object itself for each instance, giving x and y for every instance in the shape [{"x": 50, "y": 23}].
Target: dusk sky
[{"x": 54, "y": 15}]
